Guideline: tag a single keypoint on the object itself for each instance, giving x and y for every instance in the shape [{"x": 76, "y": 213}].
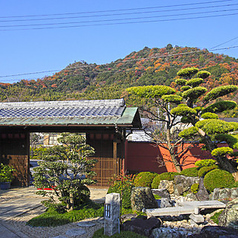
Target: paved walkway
[{"x": 18, "y": 201}]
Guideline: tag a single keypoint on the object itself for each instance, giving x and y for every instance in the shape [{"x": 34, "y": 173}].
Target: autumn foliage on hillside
[{"x": 156, "y": 66}]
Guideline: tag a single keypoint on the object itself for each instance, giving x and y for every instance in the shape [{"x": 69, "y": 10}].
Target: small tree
[{"x": 66, "y": 169}]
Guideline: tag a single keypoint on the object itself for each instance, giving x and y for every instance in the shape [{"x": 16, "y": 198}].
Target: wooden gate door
[{"x": 106, "y": 168}]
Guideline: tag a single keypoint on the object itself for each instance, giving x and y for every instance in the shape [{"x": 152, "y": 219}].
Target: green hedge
[
  {"x": 204, "y": 170},
  {"x": 168, "y": 176},
  {"x": 156, "y": 182},
  {"x": 205, "y": 163},
  {"x": 218, "y": 178},
  {"x": 144, "y": 179},
  {"x": 190, "y": 172}
]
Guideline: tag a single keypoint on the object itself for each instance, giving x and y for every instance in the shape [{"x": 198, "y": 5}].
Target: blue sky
[{"x": 103, "y": 39}]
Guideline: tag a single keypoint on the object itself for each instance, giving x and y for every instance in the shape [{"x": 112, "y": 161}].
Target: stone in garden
[
  {"x": 75, "y": 232},
  {"x": 166, "y": 184},
  {"x": 191, "y": 196},
  {"x": 164, "y": 202},
  {"x": 229, "y": 217},
  {"x": 60, "y": 236},
  {"x": 127, "y": 217},
  {"x": 141, "y": 226},
  {"x": 142, "y": 198},
  {"x": 197, "y": 218},
  {"x": 112, "y": 214},
  {"x": 234, "y": 193},
  {"x": 183, "y": 184},
  {"x": 86, "y": 224},
  {"x": 163, "y": 193},
  {"x": 167, "y": 232},
  {"x": 218, "y": 231},
  {"x": 202, "y": 194}
]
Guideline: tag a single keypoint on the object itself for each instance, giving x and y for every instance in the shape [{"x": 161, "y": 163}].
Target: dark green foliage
[
  {"x": 156, "y": 91},
  {"x": 168, "y": 176},
  {"x": 209, "y": 115},
  {"x": 144, "y": 179},
  {"x": 194, "y": 93},
  {"x": 172, "y": 98},
  {"x": 204, "y": 170},
  {"x": 194, "y": 82},
  {"x": 220, "y": 91},
  {"x": 203, "y": 74},
  {"x": 218, "y": 178},
  {"x": 181, "y": 81},
  {"x": 54, "y": 218},
  {"x": 183, "y": 110},
  {"x": 189, "y": 132},
  {"x": 222, "y": 151},
  {"x": 156, "y": 182},
  {"x": 214, "y": 126},
  {"x": 184, "y": 88},
  {"x": 123, "y": 234},
  {"x": 205, "y": 163},
  {"x": 232, "y": 140},
  {"x": 220, "y": 106},
  {"x": 194, "y": 188},
  {"x": 190, "y": 172},
  {"x": 123, "y": 184},
  {"x": 187, "y": 72}
]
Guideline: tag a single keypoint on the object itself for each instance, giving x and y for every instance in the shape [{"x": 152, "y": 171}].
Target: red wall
[{"x": 145, "y": 156}]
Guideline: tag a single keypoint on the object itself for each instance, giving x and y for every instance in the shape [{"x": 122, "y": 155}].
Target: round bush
[
  {"x": 218, "y": 178},
  {"x": 190, "y": 172},
  {"x": 205, "y": 163},
  {"x": 168, "y": 176},
  {"x": 144, "y": 179},
  {"x": 156, "y": 182},
  {"x": 204, "y": 170}
]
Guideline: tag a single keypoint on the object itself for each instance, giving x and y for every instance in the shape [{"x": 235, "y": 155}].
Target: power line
[
  {"x": 118, "y": 19},
  {"x": 146, "y": 58},
  {"x": 120, "y": 14},
  {"x": 119, "y": 10}
]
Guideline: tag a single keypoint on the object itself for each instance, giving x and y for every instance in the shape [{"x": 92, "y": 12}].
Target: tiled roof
[{"x": 79, "y": 112}]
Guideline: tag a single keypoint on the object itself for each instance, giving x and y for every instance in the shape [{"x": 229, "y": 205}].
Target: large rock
[
  {"x": 183, "y": 184},
  {"x": 141, "y": 226},
  {"x": 225, "y": 193},
  {"x": 164, "y": 193},
  {"x": 142, "y": 198},
  {"x": 168, "y": 185},
  {"x": 167, "y": 232},
  {"x": 202, "y": 194},
  {"x": 165, "y": 202},
  {"x": 215, "y": 232},
  {"x": 229, "y": 217}
]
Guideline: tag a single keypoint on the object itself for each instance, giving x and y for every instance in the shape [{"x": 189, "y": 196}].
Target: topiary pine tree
[
  {"x": 185, "y": 105},
  {"x": 152, "y": 98},
  {"x": 66, "y": 169},
  {"x": 201, "y": 109}
]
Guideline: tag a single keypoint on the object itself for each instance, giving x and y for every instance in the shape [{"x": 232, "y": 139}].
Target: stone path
[{"x": 19, "y": 205}]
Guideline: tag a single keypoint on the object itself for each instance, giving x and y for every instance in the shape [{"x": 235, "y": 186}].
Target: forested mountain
[{"x": 145, "y": 67}]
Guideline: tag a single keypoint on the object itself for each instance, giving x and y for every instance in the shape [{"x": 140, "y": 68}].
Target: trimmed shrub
[
  {"x": 209, "y": 115},
  {"x": 156, "y": 182},
  {"x": 204, "y": 170},
  {"x": 181, "y": 82},
  {"x": 190, "y": 172},
  {"x": 144, "y": 179},
  {"x": 168, "y": 176},
  {"x": 205, "y": 163},
  {"x": 194, "y": 82},
  {"x": 222, "y": 151},
  {"x": 194, "y": 188},
  {"x": 218, "y": 178}
]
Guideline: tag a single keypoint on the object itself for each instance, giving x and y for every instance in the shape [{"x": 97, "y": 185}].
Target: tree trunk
[{"x": 172, "y": 152}]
